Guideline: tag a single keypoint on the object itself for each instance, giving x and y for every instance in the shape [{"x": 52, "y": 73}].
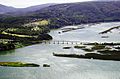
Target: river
[{"x": 63, "y": 68}]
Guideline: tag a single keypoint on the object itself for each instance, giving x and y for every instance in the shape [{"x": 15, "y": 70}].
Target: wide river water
[{"x": 64, "y": 68}]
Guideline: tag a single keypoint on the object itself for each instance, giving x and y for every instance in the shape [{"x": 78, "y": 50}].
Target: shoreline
[
  {"x": 90, "y": 56},
  {"x": 13, "y": 42}
]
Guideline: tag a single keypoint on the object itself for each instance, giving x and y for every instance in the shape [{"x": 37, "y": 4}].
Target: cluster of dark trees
[{"x": 7, "y": 46}]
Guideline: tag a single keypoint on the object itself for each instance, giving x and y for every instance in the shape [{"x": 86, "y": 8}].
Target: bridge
[{"x": 64, "y": 42}]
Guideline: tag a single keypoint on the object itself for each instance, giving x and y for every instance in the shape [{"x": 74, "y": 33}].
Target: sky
[{"x": 27, "y": 3}]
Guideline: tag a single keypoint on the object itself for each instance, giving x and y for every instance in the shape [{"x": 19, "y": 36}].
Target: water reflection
[{"x": 7, "y": 52}]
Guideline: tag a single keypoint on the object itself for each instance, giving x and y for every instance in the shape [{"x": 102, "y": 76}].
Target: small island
[
  {"x": 66, "y": 47},
  {"x": 114, "y": 57},
  {"x": 110, "y": 29},
  {"x": 101, "y": 51},
  {"x": 18, "y": 64}
]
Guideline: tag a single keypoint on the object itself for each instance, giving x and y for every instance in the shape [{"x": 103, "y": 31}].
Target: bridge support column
[
  {"x": 54, "y": 42},
  {"x": 71, "y": 42},
  {"x": 58, "y": 42}
]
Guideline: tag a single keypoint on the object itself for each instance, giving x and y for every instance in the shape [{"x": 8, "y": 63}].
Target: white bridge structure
[{"x": 64, "y": 42}]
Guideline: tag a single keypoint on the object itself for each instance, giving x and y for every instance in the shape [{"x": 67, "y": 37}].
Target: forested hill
[
  {"x": 76, "y": 13},
  {"x": 72, "y": 13},
  {"x": 21, "y": 11},
  {"x": 4, "y": 9}
]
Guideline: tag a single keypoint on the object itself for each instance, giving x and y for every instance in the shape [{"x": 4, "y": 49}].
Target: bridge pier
[
  {"x": 45, "y": 42},
  {"x": 49, "y": 42},
  {"x": 67, "y": 42},
  {"x": 71, "y": 42},
  {"x": 58, "y": 42},
  {"x": 63, "y": 42}
]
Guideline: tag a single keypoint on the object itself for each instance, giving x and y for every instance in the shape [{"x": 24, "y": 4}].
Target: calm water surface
[{"x": 63, "y": 68}]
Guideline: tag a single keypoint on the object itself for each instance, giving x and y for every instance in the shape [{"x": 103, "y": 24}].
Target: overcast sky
[{"x": 26, "y": 3}]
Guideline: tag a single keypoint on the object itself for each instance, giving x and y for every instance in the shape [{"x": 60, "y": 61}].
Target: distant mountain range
[
  {"x": 107, "y": 0},
  {"x": 7, "y": 9},
  {"x": 37, "y": 7},
  {"x": 69, "y": 13}
]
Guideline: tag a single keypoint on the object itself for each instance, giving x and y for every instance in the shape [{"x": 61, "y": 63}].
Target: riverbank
[{"x": 9, "y": 42}]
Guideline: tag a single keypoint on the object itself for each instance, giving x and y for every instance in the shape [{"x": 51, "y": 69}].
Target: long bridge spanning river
[{"x": 64, "y": 42}]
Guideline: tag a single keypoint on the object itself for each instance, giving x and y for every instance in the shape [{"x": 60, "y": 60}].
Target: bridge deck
[{"x": 64, "y": 42}]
